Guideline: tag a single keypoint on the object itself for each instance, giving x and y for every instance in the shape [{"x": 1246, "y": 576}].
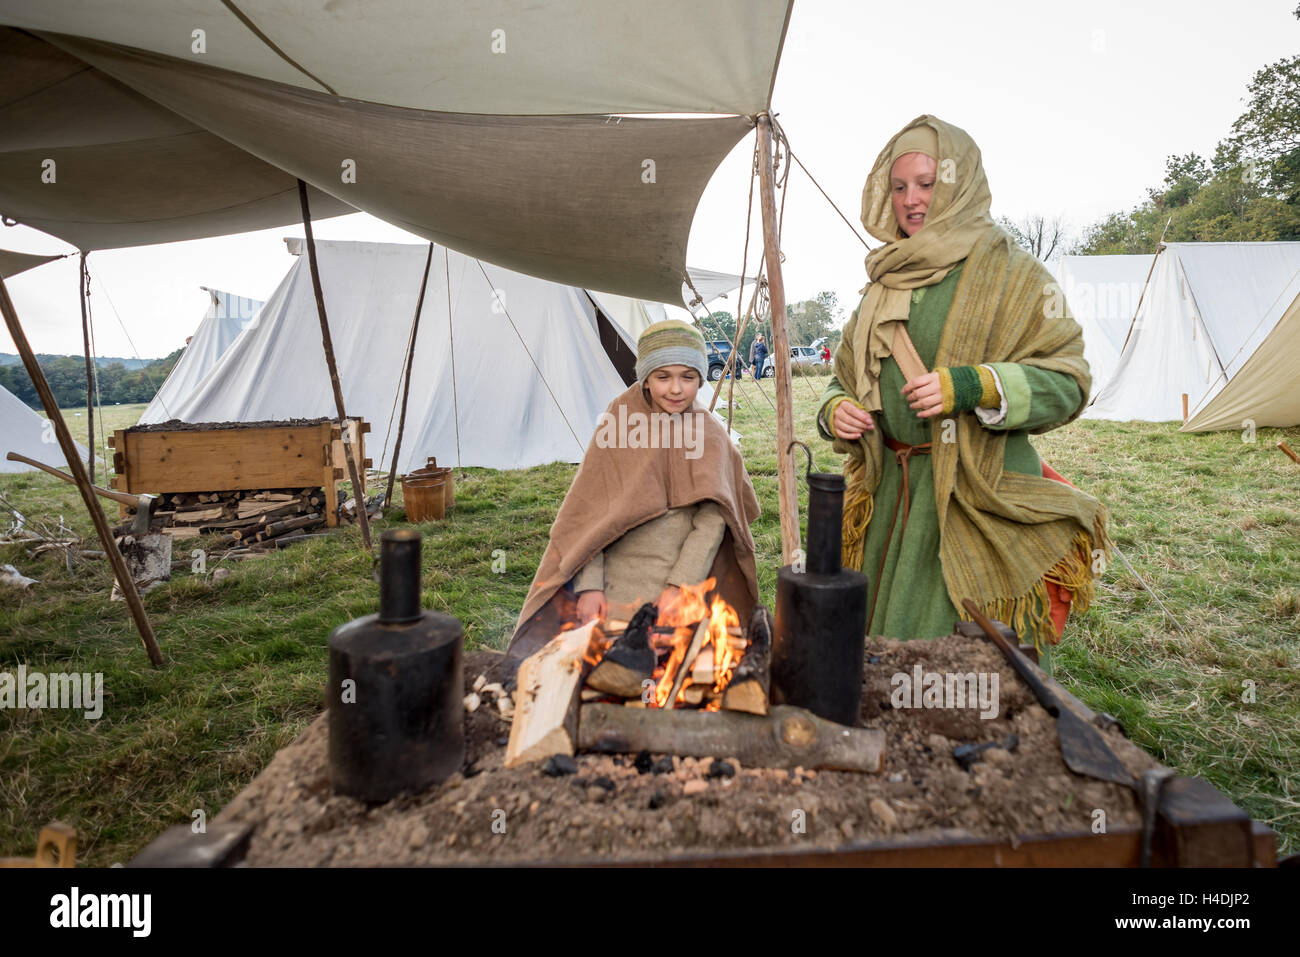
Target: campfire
[
  {"x": 683, "y": 679},
  {"x": 683, "y": 655}
]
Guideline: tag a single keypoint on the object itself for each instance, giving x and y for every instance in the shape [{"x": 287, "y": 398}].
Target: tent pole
[
  {"x": 78, "y": 471},
  {"x": 787, "y": 494},
  {"x": 357, "y": 495},
  {"x": 1160, "y": 247},
  {"x": 406, "y": 387},
  {"x": 84, "y": 284}
]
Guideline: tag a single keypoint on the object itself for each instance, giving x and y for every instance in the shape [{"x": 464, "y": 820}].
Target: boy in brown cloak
[{"x": 661, "y": 500}]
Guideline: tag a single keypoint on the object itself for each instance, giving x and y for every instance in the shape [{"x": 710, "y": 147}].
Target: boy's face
[{"x": 673, "y": 388}]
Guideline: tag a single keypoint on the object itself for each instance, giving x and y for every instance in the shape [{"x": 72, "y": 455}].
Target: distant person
[
  {"x": 758, "y": 356},
  {"x": 826, "y": 353},
  {"x": 947, "y": 499}
]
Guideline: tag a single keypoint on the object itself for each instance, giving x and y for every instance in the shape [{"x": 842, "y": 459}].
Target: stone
[
  {"x": 697, "y": 786},
  {"x": 884, "y": 814}
]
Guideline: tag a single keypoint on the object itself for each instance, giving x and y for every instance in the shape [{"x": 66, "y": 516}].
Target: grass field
[{"x": 1208, "y": 521}]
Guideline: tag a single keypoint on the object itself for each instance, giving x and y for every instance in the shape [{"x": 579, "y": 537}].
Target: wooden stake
[
  {"x": 787, "y": 494},
  {"x": 1184, "y": 406},
  {"x": 1290, "y": 452},
  {"x": 84, "y": 283},
  {"x": 78, "y": 470},
  {"x": 357, "y": 492},
  {"x": 406, "y": 387}
]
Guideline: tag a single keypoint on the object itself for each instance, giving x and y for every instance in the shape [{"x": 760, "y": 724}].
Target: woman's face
[
  {"x": 673, "y": 388},
  {"x": 911, "y": 183}
]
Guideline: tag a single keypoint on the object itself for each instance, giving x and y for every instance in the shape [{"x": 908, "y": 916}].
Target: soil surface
[
  {"x": 619, "y": 807},
  {"x": 176, "y": 425}
]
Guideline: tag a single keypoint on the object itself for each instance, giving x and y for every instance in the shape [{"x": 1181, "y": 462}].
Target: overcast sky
[{"x": 1075, "y": 108}]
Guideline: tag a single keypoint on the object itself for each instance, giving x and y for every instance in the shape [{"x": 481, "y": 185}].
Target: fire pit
[{"x": 1016, "y": 804}]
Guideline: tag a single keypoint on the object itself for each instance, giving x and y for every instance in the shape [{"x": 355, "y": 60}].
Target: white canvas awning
[{"x": 490, "y": 127}]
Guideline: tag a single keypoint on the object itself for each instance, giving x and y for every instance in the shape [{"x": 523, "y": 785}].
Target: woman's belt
[{"x": 902, "y": 452}]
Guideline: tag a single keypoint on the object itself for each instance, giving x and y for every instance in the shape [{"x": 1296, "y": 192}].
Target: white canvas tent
[
  {"x": 1207, "y": 310},
  {"x": 1103, "y": 293},
  {"x": 530, "y": 374},
  {"x": 25, "y": 432},
  {"x": 1263, "y": 381},
  {"x": 227, "y": 316}
]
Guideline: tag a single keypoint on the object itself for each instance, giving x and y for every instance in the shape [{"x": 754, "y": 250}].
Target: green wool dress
[{"x": 911, "y": 599}]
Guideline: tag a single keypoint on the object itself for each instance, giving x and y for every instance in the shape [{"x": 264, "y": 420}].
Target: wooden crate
[{"x": 238, "y": 458}]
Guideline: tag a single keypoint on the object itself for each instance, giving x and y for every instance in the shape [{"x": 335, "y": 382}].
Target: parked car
[
  {"x": 799, "y": 356},
  {"x": 719, "y": 352}
]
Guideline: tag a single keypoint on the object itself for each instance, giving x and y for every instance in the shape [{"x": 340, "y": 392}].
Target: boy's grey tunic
[{"x": 677, "y": 548}]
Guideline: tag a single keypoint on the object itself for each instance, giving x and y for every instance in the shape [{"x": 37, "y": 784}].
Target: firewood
[
  {"x": 284, "y": 541},
  {"x": 196, "y": 516},
  {"x": 785, "y": 737},
  {"x": 182, "y": 531},
  {"x": 694, "y": 694},
  {"x": 701, "y": 632},
  {"x": 249, "y": 509},
  {"x": 288, "y": 525},
  {"x": 548, "y": 687},
  {"x": 630, "y": 660},
  {"x": 749, "y": 685}
]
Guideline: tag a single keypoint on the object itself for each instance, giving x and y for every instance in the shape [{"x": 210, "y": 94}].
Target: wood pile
[{"x": 249, "y": 521}]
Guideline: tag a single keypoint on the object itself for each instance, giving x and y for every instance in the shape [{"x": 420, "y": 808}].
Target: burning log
[
  {"x": 630, "y": 661},
  {"x": 548, "y": 683},
  {"x": 786, "y": 737},
  {"x": 684, "y": 668},
  {"x": 749, "y": 685}
]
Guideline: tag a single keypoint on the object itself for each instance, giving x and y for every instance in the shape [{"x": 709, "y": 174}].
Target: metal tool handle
[{"x": 1018, "y": 661}]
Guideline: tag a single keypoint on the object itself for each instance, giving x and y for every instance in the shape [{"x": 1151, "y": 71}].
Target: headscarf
[{"x": 957, "y": 218}]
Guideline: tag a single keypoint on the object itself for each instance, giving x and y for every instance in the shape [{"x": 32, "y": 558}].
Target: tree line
[
  {"x": 67, "y": 378},
  {"x": 1248, "y": 191}
]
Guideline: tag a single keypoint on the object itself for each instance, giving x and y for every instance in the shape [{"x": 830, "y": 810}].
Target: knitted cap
[{"x": 671, "y": 343}]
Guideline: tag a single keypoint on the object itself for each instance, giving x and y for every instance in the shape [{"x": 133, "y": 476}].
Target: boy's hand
[
  {"x": 849, "y": 421},
  {"x": 591, "y": 604},
  {"x": 667, "y": 597}
]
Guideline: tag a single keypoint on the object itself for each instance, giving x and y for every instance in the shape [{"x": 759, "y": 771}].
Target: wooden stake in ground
[
  {"x": 787, "y": 493},
  {"x": 406, "y": 386},
  {"x": 78, "y": 470},
  {"x": 546, "y": 698},
  {"x": 748, "y": 688},
  {"x": 84, "y": 284},
  {"x": 348, "y": 452},
  {"x": 786, "y": 737},
  {"x": 1290, "y": 452}
]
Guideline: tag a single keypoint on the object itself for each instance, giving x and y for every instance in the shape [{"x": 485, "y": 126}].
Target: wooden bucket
[
  {"x": 424, "y": 497},
  {"x": 448, "y": 477}
]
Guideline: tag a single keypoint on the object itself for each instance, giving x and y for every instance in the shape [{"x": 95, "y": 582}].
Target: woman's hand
[
  {"x": 925, "y": 395},
  {"x": 592, "y": 604},
  {"x": 849, "y": 422}
]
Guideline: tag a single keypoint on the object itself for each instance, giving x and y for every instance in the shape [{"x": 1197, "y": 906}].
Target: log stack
[{"x": 259, "y": 521}]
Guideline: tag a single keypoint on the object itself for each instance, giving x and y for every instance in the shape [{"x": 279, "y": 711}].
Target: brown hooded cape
[{"x": 619, "y": 488}]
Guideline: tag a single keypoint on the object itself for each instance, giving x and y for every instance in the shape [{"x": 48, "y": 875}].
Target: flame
[{"x": 674, "y": 632}]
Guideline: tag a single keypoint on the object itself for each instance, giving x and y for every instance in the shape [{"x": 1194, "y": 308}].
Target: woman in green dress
[{"x": 947, "y": 499}]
